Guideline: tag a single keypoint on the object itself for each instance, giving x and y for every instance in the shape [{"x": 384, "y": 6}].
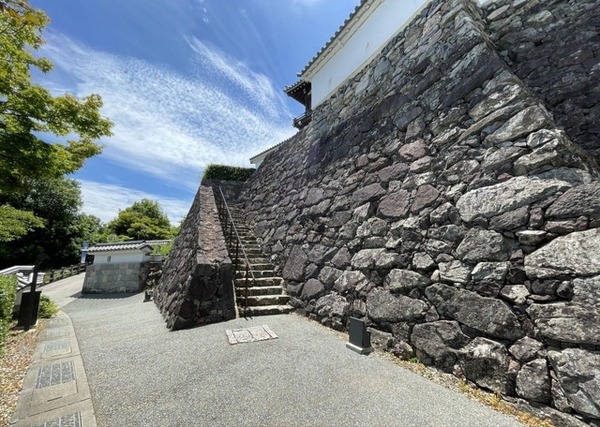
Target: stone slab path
[{"x": 139, "y": 373}]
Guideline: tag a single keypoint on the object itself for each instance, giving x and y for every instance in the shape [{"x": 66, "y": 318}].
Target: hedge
[
  {"x": 8, "y": 289},
  {"x": 227, "y": 173}
]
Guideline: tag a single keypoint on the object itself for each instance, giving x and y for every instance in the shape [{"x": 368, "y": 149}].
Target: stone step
[
  {"x": 263, "y": 300},
  {"x": 257, "y": 273},
  {"x": 256, "y": 266},
  {"x": 265, "y": 310},
  {"x": 256, "y": 260},
  {"x": 259, "y": 281},
  {"x": 258, "y": 290}
]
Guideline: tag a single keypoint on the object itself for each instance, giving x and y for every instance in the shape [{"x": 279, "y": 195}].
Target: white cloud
[
  {"x": 105, "y": 201},
  {"x": 169, "y": 125}
]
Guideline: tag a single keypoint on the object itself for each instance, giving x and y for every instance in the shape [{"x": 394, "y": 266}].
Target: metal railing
[{"x": 234, "y": 243}]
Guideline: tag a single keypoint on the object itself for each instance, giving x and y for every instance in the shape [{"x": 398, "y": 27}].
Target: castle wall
[
  {"x": 196, "y": 286},
  {"x": 115, "y": 277},
  {"x": 435, "y": 196},
  {"x": 554, "y": 47}
]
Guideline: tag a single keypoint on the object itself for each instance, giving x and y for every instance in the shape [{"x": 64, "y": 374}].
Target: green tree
[
  {"x": 41, "y": 136},
  {"x": 57, "y": 201},
  {"x": 144, "y": 220}
]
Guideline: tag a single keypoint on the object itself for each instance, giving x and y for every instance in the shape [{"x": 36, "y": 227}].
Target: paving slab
[{"x": 55, "y": 389}]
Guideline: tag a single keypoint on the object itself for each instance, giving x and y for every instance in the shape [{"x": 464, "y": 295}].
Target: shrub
[
  {"x": 227, "y": 173},
  {"x": 48, "y": 308},
  {"x": 8, "y": 289}
]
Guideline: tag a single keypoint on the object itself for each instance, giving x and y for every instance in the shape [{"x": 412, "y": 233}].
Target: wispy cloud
[
  {"x": 105, "y": 201},
  {"x": 171, "y": 125}
]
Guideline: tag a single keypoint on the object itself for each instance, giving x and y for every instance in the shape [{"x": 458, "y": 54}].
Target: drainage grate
[
  {"x": 54, "y": 374},
  {"x": 56, "y": 346},
  {"x": 71, "y": 420},
  {"x": 252, "y": 334}
]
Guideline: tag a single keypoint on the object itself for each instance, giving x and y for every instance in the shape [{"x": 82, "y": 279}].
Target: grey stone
[
  {"x": 507, "y": 196},
  {"x": 578, "y": 372},
  {"x": 422, "y": 261},
  {"x": 526, "y": 349},
  {"x": 425, "y": 196},
  {"x": 380, "y": 340},
  {"x": 349, "y": 280},
  {"x": 557, "y": 153},
  {"x": 490, "y": 272},
  {"x": 366, "y": 258},
  {"x": 367, "y": 194},
  {"x": 510, "y": 220},
  {"x": 320, "y": 254},
  {"x": 531, "y": 237},
  {"x": 382, "y": 306},
  {"x": 533, "y": 381},
  {"x": 487, "y": 315},
  {"x": 332, "y": 305},
  {"x": 372, "y": 227},
  {"x": 314, "y": 196},
  {"x": 576, "y": 254},
  {"x": 440, "y": 341},
  {"x": 515, "y": 293},
  {"x": 482, "y": 245},
  {"x": 294, "y": 267},
  {"x": 567, "y": 322},
  {"x": 404, "y": 281},
  {"x": 312, "y": 289},
  {"x": 413, "y": 151},
  {"x": 342, "y": 258},
  {"x": 329, "y": 275},
  {"x": 363, "y": 212},
  {"x": 501, "y": 160},
  {"x": 395, "y": 205},
  {"x": 454, "y": 272},
  {"x": 394, "y": 172},
  {"x": 521, "y": 124},
  {"x": 485, "y": 362},
  {"x": 577, "y": 201},
  {"x": 443, "y": 214}
]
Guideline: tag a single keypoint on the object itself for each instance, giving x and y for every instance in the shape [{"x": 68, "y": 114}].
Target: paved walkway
[{"x": 140, "y": 374}]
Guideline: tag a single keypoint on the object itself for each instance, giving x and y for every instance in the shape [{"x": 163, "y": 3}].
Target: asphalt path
[{"x": 141, "y": 374}]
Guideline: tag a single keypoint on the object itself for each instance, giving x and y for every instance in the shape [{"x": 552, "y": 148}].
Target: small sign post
[{"x": 360, "y": 338}]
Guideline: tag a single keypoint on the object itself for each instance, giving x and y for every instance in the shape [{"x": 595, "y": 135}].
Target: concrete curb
[{"x": 55, "y": 390}]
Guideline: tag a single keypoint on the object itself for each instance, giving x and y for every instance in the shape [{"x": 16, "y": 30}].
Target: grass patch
[{"x": 48, "y": 308}]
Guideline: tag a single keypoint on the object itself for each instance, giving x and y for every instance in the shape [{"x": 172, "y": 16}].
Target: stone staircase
[{"x": 266, "y": 295}]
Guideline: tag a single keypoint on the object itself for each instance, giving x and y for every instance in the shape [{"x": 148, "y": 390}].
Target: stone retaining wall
[
  {"x": 196, "y": 286},
  {"x": 554, "y": 47},
  {"x": 435, "y": 196},
  {"x": 126, "y": 277}
]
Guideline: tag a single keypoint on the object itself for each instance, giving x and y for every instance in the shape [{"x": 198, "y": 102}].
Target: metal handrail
[{"x": 229, "y": 231}]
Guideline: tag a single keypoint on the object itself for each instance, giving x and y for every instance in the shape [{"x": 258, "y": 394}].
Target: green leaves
[
  {"x": 32, "y": 121},
  {"x": 144, "y": 220},
  {"x": 15, "y": 223}
]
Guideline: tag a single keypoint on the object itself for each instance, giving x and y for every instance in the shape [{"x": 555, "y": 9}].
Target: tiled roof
[
  {"x": 271, "y": 148},
  {"x": 332, "y": 39},
  {"x": 120, "y": 246}
]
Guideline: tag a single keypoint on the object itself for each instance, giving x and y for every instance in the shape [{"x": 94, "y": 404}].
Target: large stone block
[
  {"x": 507, "y": 196},
  {"x": 485, "y": 362},
  {"x": 440, "y": 341},
  {"x": 382, "y": 306},
  {"x": 487, "y": 315},
  {"x": 578, "y": 372},
  {"x": 576, "y": 254}
]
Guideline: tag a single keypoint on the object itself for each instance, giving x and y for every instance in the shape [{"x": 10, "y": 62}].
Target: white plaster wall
[
  {"x": 374, "y": 33},
  {"x": 118, "y": 257}
]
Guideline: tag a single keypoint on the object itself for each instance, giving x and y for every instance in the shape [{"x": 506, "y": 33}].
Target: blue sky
[{"x": 186, "y": 82}]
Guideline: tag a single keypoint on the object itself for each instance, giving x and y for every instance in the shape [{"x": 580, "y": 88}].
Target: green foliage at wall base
[
  {"x": 8, "y": 288},
  {"x": 48, "y": 308},
  {"x": 227, "y": 173}
]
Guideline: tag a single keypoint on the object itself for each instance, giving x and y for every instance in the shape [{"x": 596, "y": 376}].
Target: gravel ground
[
  {"x": 141, "y": 374},
  {"x": 14, "y": 363}
]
